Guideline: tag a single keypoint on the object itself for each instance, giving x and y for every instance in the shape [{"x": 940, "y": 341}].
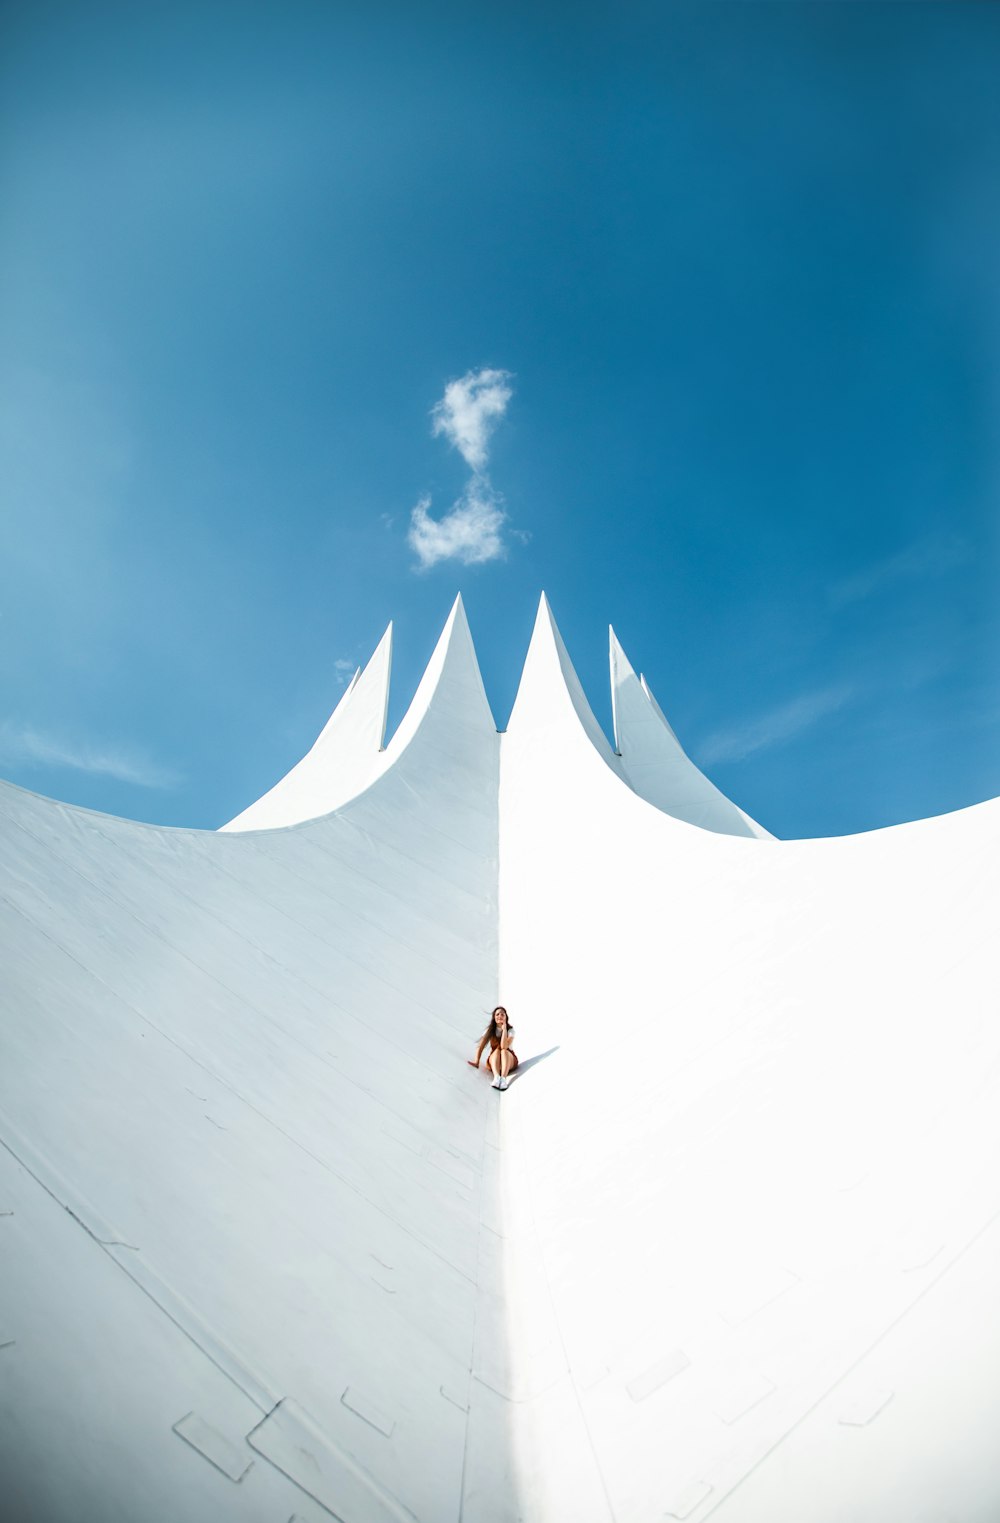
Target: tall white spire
[
  {"x": 342, "y": 761},
  {"x": 350, "y": 754},
  {"x": 655, "y": 764},
  {"x": 549, "y": 695}
]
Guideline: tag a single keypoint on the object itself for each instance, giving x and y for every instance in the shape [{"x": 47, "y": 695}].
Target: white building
[{"x": 727, "y": 1247}]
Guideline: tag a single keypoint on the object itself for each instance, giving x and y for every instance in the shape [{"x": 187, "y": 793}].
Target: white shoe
[
  {"x": 497, "y": 1083},
  {"x": 504, "y": 1081}
]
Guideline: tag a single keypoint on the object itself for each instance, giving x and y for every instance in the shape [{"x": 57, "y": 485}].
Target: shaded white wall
[{"x": 242, "y": 1163}]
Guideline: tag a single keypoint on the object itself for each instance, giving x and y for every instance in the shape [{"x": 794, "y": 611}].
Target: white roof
[
  {"x": 341, "y": 763},
  {"x": 270, "y": 1248}
]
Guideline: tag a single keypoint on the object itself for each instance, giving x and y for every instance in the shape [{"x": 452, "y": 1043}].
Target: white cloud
[
  {"x": 470, "y": 410},
  {"x": 344, "y": 669},
  {"x": 775, "y": 727},
  {"x": 22, "y": 743},
  {"x": 927, "y": 557},
  {"x": 470, "y": 533}
]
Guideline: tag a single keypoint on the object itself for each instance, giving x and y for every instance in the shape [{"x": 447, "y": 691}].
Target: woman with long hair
[{"x": 502, "y": 1060}]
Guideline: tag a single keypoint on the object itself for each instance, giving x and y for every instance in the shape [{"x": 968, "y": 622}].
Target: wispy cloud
[
  {"x": 344, "y": 669},
  {"x": 775, "y": 727},
  {"x": 925, "y": 558},
  {"x": 470, "y": 410},
  {"x": 22, "y": 743},
  {"x": 472, "y": 531}
]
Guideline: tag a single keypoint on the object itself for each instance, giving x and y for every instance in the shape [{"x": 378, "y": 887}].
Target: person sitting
[{"x": 502, "y": 1059}]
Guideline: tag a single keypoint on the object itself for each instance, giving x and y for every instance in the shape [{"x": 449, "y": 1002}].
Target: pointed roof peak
[
  {"x": 548, "y": 679},
  {"x": 620, "y": 662},
  {"x": 655, "y": 706},
  {"x": 342, "y": 760},
  {"x": 453, "y": 665},
  {"x": 544, "y": 617},
  {"x": 655, "y": 764},
  {"x": 546, "y": 637},
  {"x": 458, "y": 616},
  {"x": 621, "y": 673}
]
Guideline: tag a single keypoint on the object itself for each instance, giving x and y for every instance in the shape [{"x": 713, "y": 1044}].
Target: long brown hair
[{"x": 492, "y": 1030}]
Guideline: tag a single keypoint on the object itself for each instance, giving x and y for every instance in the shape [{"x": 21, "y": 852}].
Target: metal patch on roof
[
  {"x": 755, "y": 1291},
  {"x": 864, "y": 1408},
  {"x": 690, "y": 1498},
  {"x": 658, "y": 1374},
  {"x": 362, "y": 1407},
  {"x": 213, "y": 1446},
  {"x": 740, "y": 1391},
  {"x": 293, "y": 1444},
  {"x": 589, "y": 1375},
  {"x": 457, "y": 1400}
]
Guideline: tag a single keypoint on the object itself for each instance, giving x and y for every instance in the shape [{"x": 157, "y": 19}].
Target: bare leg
[
  {"x": 504, "y": 1061},
  {"x": 494, "y": 1061}
]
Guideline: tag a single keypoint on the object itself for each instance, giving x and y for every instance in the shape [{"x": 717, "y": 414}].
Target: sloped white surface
[
  {"x": 756, "y": 1215},
  {"x": 726, "y": 1248},
  {"x": 655, "y": 764},
  {"x": 342, "y": 762},
  {"x": 241, "y": 1146}
]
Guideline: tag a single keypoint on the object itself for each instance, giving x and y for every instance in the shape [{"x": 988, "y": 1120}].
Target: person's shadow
[{"x": 527, "y": 1063}]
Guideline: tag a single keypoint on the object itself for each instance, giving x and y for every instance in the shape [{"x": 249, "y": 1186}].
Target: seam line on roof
[
  {"x": 227, "y": 1084},
  {"x": 855, "y": 1364},
  {"x": 174, "y": 1307},
  {"x": 236, "y": 932}
]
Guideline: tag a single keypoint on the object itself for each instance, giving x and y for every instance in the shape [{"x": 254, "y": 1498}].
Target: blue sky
[{"x": 733, "y": 268}]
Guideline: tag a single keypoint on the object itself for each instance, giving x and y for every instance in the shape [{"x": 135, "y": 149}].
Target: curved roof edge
[
  {"x": 350, "y": 753},
  {"x": 655, "y": 764},
  {"x": 342, "y": 761},
  {"x": 451, "y": 688},
  {"x": 649, "y": 758}
]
